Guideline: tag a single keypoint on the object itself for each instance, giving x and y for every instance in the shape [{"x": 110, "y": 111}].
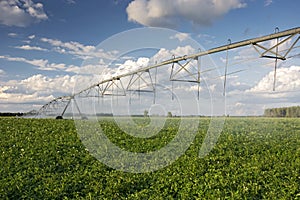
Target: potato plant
[{"x": 255, "y": 158}]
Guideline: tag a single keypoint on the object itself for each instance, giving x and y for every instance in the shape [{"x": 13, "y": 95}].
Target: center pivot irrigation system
[{"x": 114, "y": 86}]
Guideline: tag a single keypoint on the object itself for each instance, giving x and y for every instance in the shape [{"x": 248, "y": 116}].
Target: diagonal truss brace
[
  {"x": 58, "y": 103},
  {"x": 184, "y": 68},
  {"x": 114, "y": 87},
  {"x": 92, "y": 92},
  {"x": 270, "y": 53},
  {"x": 139, "y": 77}
]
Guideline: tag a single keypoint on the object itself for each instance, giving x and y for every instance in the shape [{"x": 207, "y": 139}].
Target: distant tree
[
  {"x": 146, "y": 113},
  {"x": 169, "y": 114},
  {"x": 9, "y": 114},
  {"x": 289, "y": 112},
  {"x": 293, "y": 111}
]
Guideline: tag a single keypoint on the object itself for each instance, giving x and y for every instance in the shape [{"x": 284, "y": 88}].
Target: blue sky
[{"x": 44, "y": 45}]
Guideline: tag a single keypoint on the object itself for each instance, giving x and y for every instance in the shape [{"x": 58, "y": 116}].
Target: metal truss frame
[
  {"x": 114, "y": 86},
  {"x": 137, "y": 78},
  {"x": 57, "y": 103},
  {"x": 275, "y": 54},
  {"x": 182, "y": 67}
]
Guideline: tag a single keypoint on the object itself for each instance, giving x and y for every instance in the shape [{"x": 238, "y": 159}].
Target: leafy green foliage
[
  {"x": 255, "y": 158},
  {"x": 293, "y": 111}
]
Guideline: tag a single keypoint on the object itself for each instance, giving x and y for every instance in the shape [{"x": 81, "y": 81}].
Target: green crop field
[{"x": 254, "y": 158}]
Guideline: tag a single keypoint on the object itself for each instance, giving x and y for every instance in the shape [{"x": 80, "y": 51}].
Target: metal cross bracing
[
  {"x": 141, "y": 80},
  {"x": 55, "y": 104}
]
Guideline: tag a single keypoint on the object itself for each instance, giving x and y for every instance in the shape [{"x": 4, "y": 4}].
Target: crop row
[{"x": 254, "y": 158}]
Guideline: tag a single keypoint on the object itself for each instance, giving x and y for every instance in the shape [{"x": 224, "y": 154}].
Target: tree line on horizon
[
  {"x": 11, "y": 114},
  {"x": 293, "y": 111}
]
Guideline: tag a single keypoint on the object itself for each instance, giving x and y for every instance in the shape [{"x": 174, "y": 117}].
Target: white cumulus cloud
[
  {"x": 287, "y": 79},
  {"x": 40, "y": 89},
  {"x": 21, "y": 13},
  {"x": 28, "y": 47},
  {"x": 268, "y": 2},
  {"x": 31, "y": 37},
  {"x": 2, "y": 72},
  {"x": 167, "y": 13},
  {"x": 77, "y": 49},
  {"x": 42, "y": 64},
  {"x": 87, "y": 69},
  {"x": 12, "y": 34},
  {"x": 180, "y": 36},
  {"x": 248, "y": 98},
  {"x": 131, "y": 65}
]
